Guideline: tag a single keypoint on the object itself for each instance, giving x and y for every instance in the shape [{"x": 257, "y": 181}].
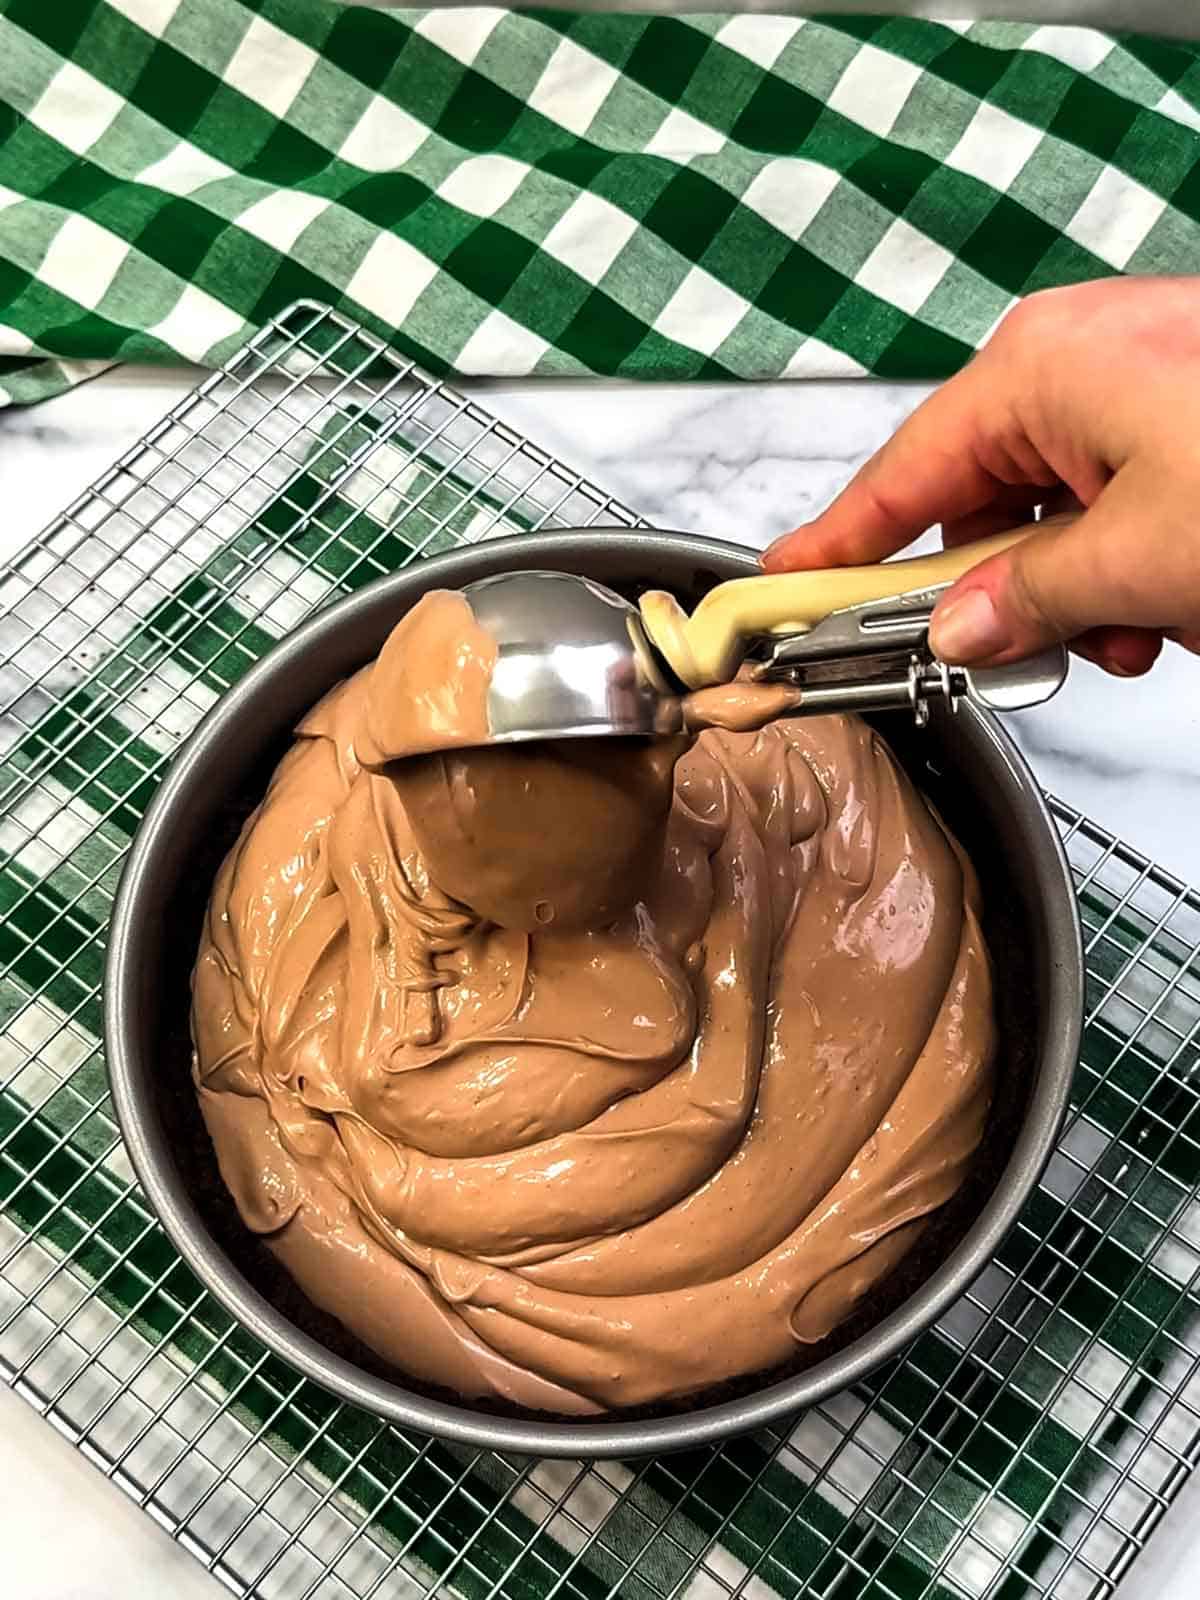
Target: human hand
[{"x": 1087, "y": 396}]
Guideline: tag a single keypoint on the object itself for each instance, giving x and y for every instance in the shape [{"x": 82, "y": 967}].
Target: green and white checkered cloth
[{"x": 707, "y": 197}]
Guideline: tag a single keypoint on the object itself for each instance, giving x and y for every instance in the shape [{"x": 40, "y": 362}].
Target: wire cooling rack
[{"x": 1024, "y": 1447}]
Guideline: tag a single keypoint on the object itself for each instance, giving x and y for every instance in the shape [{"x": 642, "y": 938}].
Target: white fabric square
[
  {"x": 183, "y": 170},
  {"x": 391, "y": 277},
  {"x": 1081, "y": 48},
  {"x": 279, "y": 218},
  {"x": 1173, "y": 105},
  {"x": 589, "y": 236},
  {"x": 816, "y": 359},
  {"x": 269, "y": 66},
  {"x": 811, "y": 1443},
  {"x": 859, "y": 1462},
  {"x": 72, "y": 372},
  {"x": 1116, "y": 217},
  {"x": 873, "y": 89},
  {"x": 702, "y": 312},
  {"x": 9, "y": 197},
  {"x": 905, "y": 267},
  {"x": 789, "y": 191},
  {"x": 195, "y": 323},
  {"x": 679, "y": 137},
  {"x": 460, "y": 33},
  {"x": 75, "y": 108},
  {"x": 150, "y": 15},
  {"x": 588, "y": 1499},
  {"x": 994, "y": 146},
  {"x": 40, "y": 832},
  {"x": 760, "y": 39},
  {"x": 13, "y": 342},
  {"x": 482, "y": 184},
  {"x": 501, "y": 345},
  {"x": 573, "y": 86},
  {"x": 383, "y": 138},
  {"x": 720, "y": 1575},
  {"x": 83, "y": 259},
  {"x": 976, "y": 1559}
]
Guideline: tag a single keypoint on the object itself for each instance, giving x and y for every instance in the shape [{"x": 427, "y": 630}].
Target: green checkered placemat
[
  {"x": 1023, "y": 1448},
  {"x": 685, "y": 197}
]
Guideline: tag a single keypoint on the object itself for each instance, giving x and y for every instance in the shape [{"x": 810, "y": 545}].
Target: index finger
[{"x": 950, "y": 458}]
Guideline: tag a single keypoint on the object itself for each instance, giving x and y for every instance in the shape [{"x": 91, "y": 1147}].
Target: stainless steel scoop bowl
[
  {"x": 573, "y": 659},
  {"x": 973, "y": 774}
]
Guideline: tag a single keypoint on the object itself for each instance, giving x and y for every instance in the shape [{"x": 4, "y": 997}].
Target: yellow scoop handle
[{"x": 707, "y": 647}]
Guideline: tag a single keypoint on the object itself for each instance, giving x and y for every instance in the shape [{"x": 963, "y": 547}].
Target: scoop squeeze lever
[{"x": 709, "y": 646}]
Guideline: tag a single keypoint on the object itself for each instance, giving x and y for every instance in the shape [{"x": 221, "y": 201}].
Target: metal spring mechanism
[{"x": 876, "y": 657}]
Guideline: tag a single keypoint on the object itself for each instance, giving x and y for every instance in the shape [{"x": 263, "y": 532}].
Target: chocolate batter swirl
[{"x": 589, "y": 1075}]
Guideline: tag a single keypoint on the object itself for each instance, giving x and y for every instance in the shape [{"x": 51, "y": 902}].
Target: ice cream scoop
[{"x": 571, "y": 657}]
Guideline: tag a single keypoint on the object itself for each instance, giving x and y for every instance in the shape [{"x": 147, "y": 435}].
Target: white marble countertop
[{"x": 741, "y": 462}]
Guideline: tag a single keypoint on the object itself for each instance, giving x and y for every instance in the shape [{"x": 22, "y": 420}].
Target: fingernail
[
  {"x": 967, "y": 628},
  {"x": 773, "y": 551}
]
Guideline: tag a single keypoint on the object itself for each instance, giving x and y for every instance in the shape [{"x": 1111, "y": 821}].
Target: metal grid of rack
[{"x": 1026, "y": 1446}]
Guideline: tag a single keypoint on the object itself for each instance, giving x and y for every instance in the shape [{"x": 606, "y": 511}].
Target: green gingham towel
[{"x": 690, "y": 197}]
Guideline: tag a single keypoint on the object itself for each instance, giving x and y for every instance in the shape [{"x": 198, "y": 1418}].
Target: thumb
[{"x": 1044, "y": 590}]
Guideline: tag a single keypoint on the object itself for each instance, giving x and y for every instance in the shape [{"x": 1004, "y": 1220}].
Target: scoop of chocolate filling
[{"x": 566, "y": 833}]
